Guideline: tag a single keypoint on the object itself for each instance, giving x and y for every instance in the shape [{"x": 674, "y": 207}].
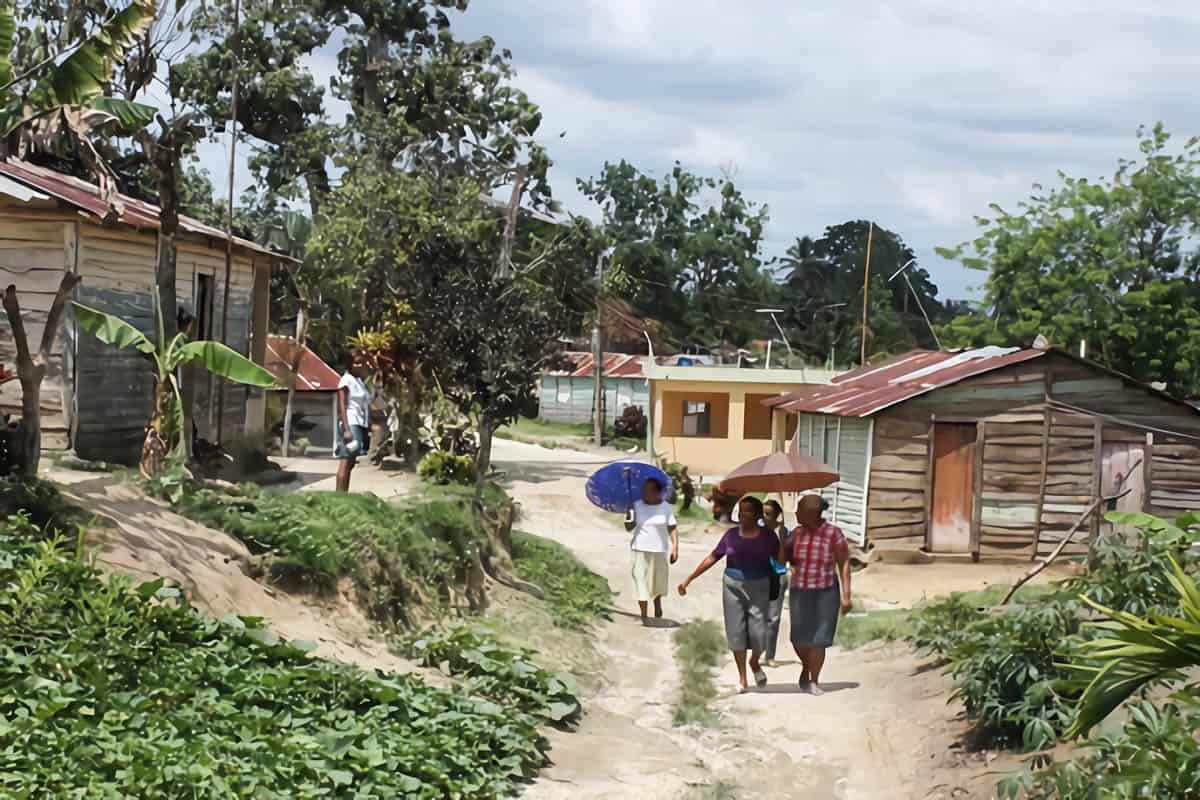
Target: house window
[
  {"x": 697, "y": 418},
  {"x": 756, "y": 417},
  {"x": 563, "y": 386},
  {"x": 624, "y": 398}
]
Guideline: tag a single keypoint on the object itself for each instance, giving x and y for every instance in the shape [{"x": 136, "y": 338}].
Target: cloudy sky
[{"x": 916, "y": 113}]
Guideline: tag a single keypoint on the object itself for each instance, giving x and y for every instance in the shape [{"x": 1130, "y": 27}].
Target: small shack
[
  {"x": 994, "y": 451},
  {"x": 566, "y": 395},
  {"x": 314, "y": 404},
  {"x": 96, "y": 398}
]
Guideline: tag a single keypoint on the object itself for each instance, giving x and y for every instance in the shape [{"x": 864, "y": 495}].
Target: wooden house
[
  {"x": 97, "y": 399},
  {"x": 995, "y": 450},
  {"x": 567, "y": 394}
]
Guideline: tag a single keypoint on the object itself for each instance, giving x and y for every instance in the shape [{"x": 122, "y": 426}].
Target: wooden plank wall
[
  {"x": 1086, "y": 388},
  {"x": 35, "y": 250},
  {"x": 1174, "y": 478},
  {"x": 898, "y": 495}
]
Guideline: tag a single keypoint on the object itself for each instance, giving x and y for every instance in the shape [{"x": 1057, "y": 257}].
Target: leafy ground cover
[
  {"x": 109, "y": 689},
  {"x": 509, "y": 677},
  {"x": 699, "y": 645},
  {"x": 575, "y": 596}
]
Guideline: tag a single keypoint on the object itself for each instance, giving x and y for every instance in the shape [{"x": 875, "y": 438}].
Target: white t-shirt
[
  {"x": 359, "y": 401},
  {"x": 653, "y": 531}
]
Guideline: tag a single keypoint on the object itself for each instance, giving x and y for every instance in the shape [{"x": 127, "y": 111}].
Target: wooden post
[
  {"x": 977, "y": 506},
  {"x": 866, "y": 295},
  {"x": 928, "y": 483},
  {"x": 1041, "y": 500},
  {"x": 233, "y": 111},
  {"x": 1147, "y": 475},
  {"x": 1097, "y": 469}
]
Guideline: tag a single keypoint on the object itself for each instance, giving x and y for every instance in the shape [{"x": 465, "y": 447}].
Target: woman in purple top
[{"x": 746, "y": 598}]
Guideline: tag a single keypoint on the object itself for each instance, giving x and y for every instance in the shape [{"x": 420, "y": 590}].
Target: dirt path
[{"x": 883, "y": 731}]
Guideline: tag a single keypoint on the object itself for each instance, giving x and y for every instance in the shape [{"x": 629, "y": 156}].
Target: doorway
[
  {"x": 1123, "y": 468},
  {"x": 953, "y": 487}
]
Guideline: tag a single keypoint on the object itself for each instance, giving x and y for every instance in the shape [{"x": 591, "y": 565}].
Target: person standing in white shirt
[
  {"x": 655, "y": 535},
  {"x": 354, "y": 419}
]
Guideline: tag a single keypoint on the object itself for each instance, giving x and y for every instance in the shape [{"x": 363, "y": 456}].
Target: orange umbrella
[{"x": 779, "y": 472}]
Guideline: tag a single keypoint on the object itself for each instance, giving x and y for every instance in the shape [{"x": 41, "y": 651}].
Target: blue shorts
[{"x": 362, "y": 435}]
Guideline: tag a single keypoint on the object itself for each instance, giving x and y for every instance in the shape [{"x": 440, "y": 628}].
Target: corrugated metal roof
[
  {"x": 86, "y": 197},
  {"x": 869, "y": 390},
  {"x": 314, "y": 374},
  {"x": 579, "y": 364}
]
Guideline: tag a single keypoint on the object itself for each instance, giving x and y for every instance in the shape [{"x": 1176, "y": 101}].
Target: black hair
[
  {"x": 758, "y": 506},
  {"x": 775, "y": 505},
  {"x": 655, "y": 482},
  {"x": 183, "y": 318}
]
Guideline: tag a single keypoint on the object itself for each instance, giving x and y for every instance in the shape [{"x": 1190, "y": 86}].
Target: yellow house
[{"x": 713, "y": 419}]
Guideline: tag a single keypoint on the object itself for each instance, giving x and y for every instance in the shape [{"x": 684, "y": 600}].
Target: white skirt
[{"x": 649, "y": 575}]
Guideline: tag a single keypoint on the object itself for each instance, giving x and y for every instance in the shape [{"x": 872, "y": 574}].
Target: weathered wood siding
[
  {"x": 36, "y": 249},
  {"x": 898, "y": 503},
  {"x": 1174, "y": 477},
  {"x": 116, "y": 386},
  {"x": 843, "y": 443}
]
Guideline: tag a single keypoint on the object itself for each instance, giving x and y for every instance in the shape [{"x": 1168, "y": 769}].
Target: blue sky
[{"x": 916, "y": 113}]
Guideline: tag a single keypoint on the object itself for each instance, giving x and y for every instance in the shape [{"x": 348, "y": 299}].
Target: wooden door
[
  {"x": 1123, "y": 467},
  {"x": 953, "y": 487}
]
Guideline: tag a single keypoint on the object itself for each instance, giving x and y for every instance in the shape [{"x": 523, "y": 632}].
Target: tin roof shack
[
  {"x": 567, "y": 395},
  {"x": 97, "y": 398},
  {"x": 314, "y": 405},
  {"x": 997, "y": 450}
]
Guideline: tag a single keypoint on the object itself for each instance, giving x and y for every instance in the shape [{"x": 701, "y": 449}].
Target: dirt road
[{"x": 883, "y": 730}]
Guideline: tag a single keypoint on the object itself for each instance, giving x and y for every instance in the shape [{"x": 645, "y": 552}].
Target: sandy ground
[{"x": 883, "y": 731}]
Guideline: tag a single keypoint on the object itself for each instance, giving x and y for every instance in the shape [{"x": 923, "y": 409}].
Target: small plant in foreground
[
  {"x": 505, "y": 676},
  {"x": 698, "y": 648},
  {"x": 575, "y": 596},
  {"x": 446, "y": 468}
]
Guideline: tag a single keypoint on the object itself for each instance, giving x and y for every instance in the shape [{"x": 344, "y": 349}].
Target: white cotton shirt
[
  {"x": 359, "y": 401},
  {"x": 653, "y": 531}
]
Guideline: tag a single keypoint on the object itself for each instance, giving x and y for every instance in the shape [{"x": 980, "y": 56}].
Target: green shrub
[
  {"x": 1155, "y": 755},
  {"x": 939, "y": 627},
  {"x": 699, "y": 645},
  {"x": 40, "y": 503},
  {"x": 575, "y": 596},
  {"x": 109, "y": 690},
  {"x": 505, "y": 676},
  {"x": 444, "y": 468}
]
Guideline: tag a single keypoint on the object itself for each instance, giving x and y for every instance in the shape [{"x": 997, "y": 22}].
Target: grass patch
[
  {"x": 110, "y": 690},
  {"x": 575, "y": 596},
  {"x": 699, "y": 645},
  {"x": 542, "y": 427},
  {"x": 721, "y": 790}
]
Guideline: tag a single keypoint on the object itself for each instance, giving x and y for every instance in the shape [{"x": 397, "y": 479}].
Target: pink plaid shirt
[{"x": 814, "y": 555}]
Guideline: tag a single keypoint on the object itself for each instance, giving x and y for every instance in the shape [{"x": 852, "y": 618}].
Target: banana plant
[
  {"x": 1136, "y": 653},
  {"x": 164, "y": 433}
]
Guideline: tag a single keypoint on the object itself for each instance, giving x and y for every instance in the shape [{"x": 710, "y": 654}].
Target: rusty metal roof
[
  {"x": 314, "y": 374},
  {"x": 871, "y": 389},
  {"x": 580, "y": 364},
  {"x": 86, "y": 197}
]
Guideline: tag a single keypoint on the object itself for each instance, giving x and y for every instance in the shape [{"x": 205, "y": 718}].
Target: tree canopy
[{"x": 1110, "y": 262}]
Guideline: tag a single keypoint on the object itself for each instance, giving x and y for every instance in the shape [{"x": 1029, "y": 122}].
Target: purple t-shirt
[{"x": 748, "y": 558}]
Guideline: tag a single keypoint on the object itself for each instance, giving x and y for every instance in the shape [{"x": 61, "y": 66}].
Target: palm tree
[{"x": 1137, "y": 652}]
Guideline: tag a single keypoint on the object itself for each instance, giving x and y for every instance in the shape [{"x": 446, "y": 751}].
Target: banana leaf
[
  {"x": 221, "y": 360},
  {"x": 111, "y": 330},
  {"x": 8, "y": 29},
  {"x": 128, "y": 117},
  {"x": 83, "y": 74}
]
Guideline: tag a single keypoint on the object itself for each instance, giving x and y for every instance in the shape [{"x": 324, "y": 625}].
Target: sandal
[{"x": 760, "y": 678}]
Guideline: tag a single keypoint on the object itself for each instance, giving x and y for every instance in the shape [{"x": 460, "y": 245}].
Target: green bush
[
  {"x": 1155, "y": 755},
  {"x": 506, "y": 676},
  {"x": 939, "y": 628},
  {"x": 40, "y": 503},
  {"x": 108, "y": 690},
  {"x": 445, "y": 468},
  {"x": 575, "y": 596}
]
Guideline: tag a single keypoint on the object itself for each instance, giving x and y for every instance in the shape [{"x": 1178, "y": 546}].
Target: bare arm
[
  {"x": 674, "y": 544},
  {"x": 704, "y": 566},
  {"x": 343, "y": 397},
  {"x": 843, "y": 567}
]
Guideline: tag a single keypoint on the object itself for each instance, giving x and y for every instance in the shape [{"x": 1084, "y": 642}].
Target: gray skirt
[
  {"x": 746, "y": 605},
  {"x": 814, "y": 615}
]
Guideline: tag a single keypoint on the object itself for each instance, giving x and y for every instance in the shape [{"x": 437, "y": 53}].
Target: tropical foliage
[
  {"x": 164, "y": 433},
  {"x": 576, "y": 597}
]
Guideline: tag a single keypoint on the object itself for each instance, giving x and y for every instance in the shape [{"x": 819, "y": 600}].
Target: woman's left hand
[{"x": 845, "y": 604}]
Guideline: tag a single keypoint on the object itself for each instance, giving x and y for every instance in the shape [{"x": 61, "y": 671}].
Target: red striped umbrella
[{"x": 779, "y": 472}]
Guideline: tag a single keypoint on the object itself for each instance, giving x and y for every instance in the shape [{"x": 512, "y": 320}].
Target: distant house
[
  {"x": 97, "y": 398},
  {"x": 314, "y": 404},
  {"x": 567, "y": 395},
  {"x": 994, "y": 451},
  {"x": 713, "y": 419}
]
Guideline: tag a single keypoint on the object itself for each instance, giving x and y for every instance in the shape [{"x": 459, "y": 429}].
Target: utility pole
[
  {"x": 598, "y": 357},
  {"x": 866, "y": 293}
]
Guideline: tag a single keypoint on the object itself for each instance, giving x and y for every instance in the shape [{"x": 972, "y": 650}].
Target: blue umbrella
[{"x": 615, "y": 486}]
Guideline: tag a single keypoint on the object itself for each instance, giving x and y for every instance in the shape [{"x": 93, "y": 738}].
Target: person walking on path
[
  {"x": 773, "y": 516},
  {"x": 655, "y": 534},
  {"x": 354, "y": 419},
  {"x": 747, "y": 550},
  {"x": 820, "y": 586}
]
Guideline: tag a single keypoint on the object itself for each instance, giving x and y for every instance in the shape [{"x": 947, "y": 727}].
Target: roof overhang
[{"x": 695, "y": 374}]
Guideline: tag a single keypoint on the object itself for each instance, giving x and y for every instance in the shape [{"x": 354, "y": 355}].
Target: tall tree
[{"x": 1110, "y": 262}]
